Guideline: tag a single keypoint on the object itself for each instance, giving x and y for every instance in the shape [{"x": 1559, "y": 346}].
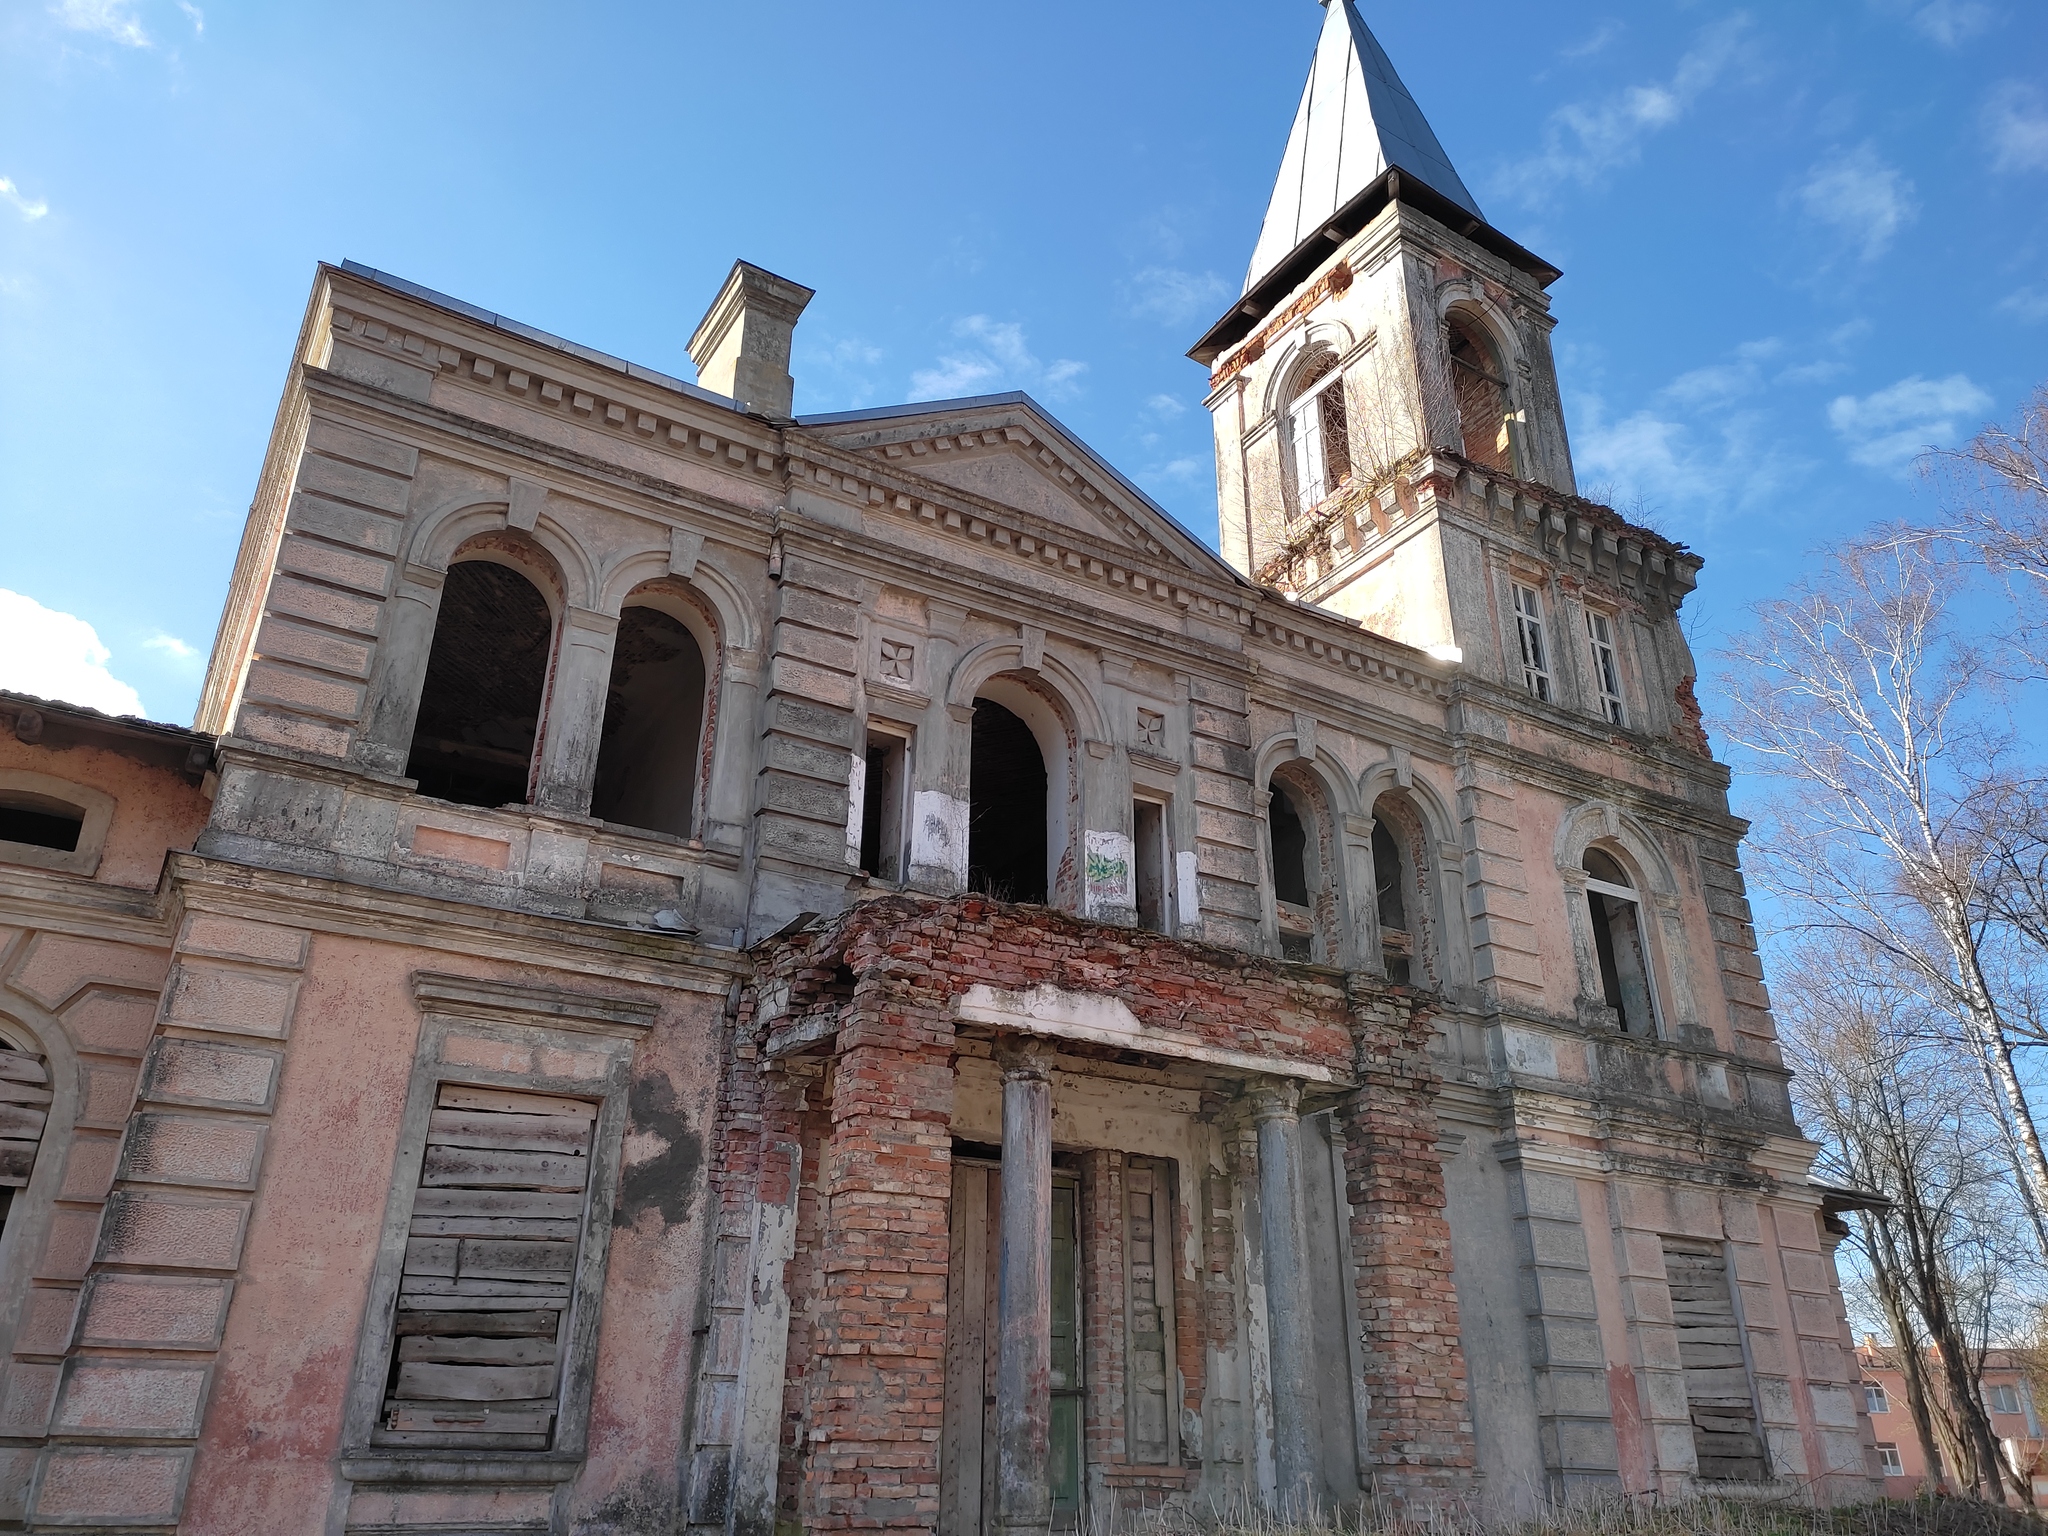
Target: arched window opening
[
  {"x": 1397, "y": 944},
  {"x": 39, "y": 821},
  {"x": 647, "y": 757},
  {"x": 24, "y": 1109},
  {"x": 1297, "y": 835},
  {"x": 486, "y": 677},
  {"x": 1318, "y": 435},
  {"x": 1620, "y": 943},
  {"x": 1482, "y": 399},
  {"x": 1007, "y": 840}
]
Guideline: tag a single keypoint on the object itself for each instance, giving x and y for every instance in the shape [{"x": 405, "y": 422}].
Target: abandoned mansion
[{"x": 709, "y": 969}]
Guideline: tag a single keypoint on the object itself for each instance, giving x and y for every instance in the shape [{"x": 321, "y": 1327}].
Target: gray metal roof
[
  {"x": 533, "y": 333},
  {"x": 1355, "y": 123}
]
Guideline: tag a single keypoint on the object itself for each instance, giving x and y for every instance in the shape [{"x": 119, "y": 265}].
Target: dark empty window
[
  {"x": 1148, "y": 853},
  {"x": 881, "y": 818},
  {"x": 1006, "y": 820},
  {"x": 653, "y": 719},
  {"x": 1482, "y": 399},
  {"x": 1618, "y": 940},
  {"x": 1397, "y": 944},
  {"x": 40, "y": 822},
  {"x": 486, "y": 675},
  {"x": 1288, "y": 833}
]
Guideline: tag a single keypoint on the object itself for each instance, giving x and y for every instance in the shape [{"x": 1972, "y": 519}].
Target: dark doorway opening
[
  {"x": 1006, "y": 841},
  {"x": 653, "y": 721},
  {"x": 486, "y": 675},
  {"x": 1148, "y": 853},
  {"x": 881, "y": 816}
]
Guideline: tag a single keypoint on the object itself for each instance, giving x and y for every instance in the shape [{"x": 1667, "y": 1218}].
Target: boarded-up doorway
[
  {"x": 1718, "y": 1390},
  {"x": 967, "y": 1448}
]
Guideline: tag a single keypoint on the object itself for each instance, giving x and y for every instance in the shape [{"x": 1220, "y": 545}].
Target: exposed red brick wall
[
  {"x": 872, "y": 1105},
  {"x": 1420, "y": 1426}
]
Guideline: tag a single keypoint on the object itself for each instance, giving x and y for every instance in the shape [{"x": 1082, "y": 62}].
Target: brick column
[
  {"x": 1420, "y": 1431},
  {"x": 876, "y": 1390}
]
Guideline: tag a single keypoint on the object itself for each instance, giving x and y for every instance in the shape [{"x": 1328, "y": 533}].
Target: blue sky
[{"x": 1800, "y": 240}]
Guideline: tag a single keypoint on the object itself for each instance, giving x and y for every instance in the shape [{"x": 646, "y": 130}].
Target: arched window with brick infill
[{"x": 1482, "y": 390}]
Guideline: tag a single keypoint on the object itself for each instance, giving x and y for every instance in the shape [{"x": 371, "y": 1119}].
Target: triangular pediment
[{"x": 1007, "y": 450}]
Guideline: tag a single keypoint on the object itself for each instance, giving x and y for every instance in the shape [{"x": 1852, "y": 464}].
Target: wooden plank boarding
[
  {"x": 1718, "y": 1391},
  {"x": 484, "y": 1295}
]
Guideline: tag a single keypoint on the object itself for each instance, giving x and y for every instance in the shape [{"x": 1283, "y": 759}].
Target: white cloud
[
  {"x": 1665, "y": 459},
  {"x": 1174, "y": 297},
  {"x": 112, "y": 19},
  {"x": 1888, "y": 429},
  {"x": 996, "y": 358},
  {"x": 186, "y": 656},
  {"x": 1861, "y": 197},
  {"x": 2017, "y": 124},
  {"x": 1583, "y": 141},
  {"x": 195, "y": 15},
  {"x": 28, "y": 210},
  {"x": 58, "y": 656},
  {"x": 2026, "y": 304},
  {"x": 1601, "y": 36},
  {"x": 1165, "y": 407},
  {"x": 1952, "y": 22}
]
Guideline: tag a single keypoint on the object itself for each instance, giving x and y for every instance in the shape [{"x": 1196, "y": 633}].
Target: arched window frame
[
  {"x": 1340, "y": 838},
  {"x": 527, "y": 557},
  {"x": 1469, "y": 312},
  {"x": 1596, "y": 824},
  {"x": 1063, "y": 712},
  {"x": 681, "y": 601},
  {"x": 1631, "y": 896},
  {"x": 1051, "y": 723},
  {"x": 1408, "y": 829},
  {"x": 1315, "y": 432}
]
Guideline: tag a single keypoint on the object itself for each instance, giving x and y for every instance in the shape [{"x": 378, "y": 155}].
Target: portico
[{"x": 1107, "y": 1171}]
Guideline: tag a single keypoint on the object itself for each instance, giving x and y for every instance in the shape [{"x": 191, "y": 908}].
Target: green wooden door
[{"x": 1064, "y": 1462}]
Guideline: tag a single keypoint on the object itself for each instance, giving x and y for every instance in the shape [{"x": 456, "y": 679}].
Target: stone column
[
  {"x": 1276, "y": 1107},
  {"x": 1024, "y": 1303},
  {"x": 574, "y": 722}
]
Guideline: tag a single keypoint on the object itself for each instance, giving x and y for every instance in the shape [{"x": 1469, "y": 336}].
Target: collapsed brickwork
[{"x": 848, "y": 1046}]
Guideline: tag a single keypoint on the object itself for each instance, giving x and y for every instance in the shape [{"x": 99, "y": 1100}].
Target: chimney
[{"x": 742, "y": 344}]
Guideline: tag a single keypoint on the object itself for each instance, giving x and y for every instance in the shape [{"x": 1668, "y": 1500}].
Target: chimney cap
[{"x": 747, "y": 286}]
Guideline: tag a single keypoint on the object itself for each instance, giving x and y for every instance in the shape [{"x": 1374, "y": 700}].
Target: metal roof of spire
[{"x": 1356, "y": 122}]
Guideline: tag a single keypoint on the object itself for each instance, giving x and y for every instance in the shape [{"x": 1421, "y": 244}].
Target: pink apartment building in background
[{"x": 2008, "y": 1394}]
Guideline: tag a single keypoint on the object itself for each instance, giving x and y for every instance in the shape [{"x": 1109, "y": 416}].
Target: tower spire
[{"x": 1356, "y": 122}]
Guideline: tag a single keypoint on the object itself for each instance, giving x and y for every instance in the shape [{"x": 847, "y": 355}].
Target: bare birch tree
[
  {"x": 1859, "y": 696},
  {"x": 1900, "y": 1120}
]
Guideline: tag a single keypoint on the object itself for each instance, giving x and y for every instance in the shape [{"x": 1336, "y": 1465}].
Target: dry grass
[{"x": 1698, "y": 1517}]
